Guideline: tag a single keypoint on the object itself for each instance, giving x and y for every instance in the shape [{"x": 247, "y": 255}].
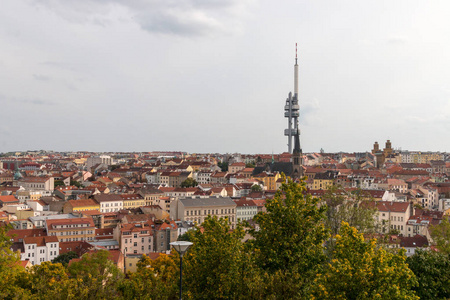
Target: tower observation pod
[{"x": 292, "y": 109}]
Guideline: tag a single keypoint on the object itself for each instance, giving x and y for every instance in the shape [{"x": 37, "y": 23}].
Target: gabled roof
[
  {"x": 40, "y": 241},
  {"x": 19, "y": 234},
  {"x": 56, "y": 222},
  {"x": 107, "y": 197},
  {"x": 391, "y": 206},
  {"x": 8, "y": 199},
  {"x": 414, "y": 241},
  {"x": 83, "y": 202}
]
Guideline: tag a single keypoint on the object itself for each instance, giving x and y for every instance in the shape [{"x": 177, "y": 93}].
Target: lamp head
[{"x": 181, "y": 246}]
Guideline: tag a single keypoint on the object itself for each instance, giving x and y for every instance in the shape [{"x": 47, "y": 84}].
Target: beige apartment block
[
  {"x": 197, "y": 209},
  {"x": 68, "y": 230}
]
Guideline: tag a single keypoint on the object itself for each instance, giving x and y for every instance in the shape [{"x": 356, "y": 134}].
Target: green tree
[
  {"x": 288, "y": 244},
  {"x": 13, "y": 277},
  {"x": 361, "y": 270},
  {"x": 189, "y": 182},
  {"x": 223, "y": 166},
  {"x": 184, "y": 237},
  {"x": 249, "y": 165},
  {"x": 154, "y": 279},
  {"x": 441, "y": 236},
  {"x": 50, "y": 281},
  {"x": 65, "y": 258},
  {"x": 356, "y": 208},
  {"x": 217, "y": 266},
  {"x": 432, "y": 270},
  {"x": 96, "y": 276},
  {"x": 59, "y": 183},
  {"x": 75, "y": 183},
  {"x": 256, "y": 188}
]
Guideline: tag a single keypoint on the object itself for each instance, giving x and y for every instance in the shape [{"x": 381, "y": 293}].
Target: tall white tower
[{"x": 292, "y": 109}]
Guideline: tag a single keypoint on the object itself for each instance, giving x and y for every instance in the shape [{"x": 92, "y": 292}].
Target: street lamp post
[{"x": 181, "y": 247}]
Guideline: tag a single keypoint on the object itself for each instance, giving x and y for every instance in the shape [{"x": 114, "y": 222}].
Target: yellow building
[
  {"x": 322, "y": 181},
  {"x": 80, "y": 205},
  {"x": 269, "y": 180},
  {"x": 132, "y": 201}
]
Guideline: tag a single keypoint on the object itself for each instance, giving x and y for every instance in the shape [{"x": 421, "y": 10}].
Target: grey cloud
[
  {"x": 310, "y": 113},
  {"x": 59, "y": 65},
  {"x": 180, "y": 17},
  {"x": 35, "y": 101},
  {"x": 41, "y": 77}
]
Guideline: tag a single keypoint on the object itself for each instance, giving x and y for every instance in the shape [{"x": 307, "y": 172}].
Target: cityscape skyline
[{"x": 214, "y": 77}]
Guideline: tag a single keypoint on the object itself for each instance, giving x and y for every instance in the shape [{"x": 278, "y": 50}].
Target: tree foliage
[
  {"x": 11, "y": 273},
  {"x": 50, "y": 281},
  {"x": 154, "y": 279},
  {"x": 217, "y": 266},
  {"x": 256, "y": 188},
  {"x": 189, "y": 182},
  {"x": 361, "y": 270},
  {"x": 441, "y": 236},
  {"x": 289, "y": 241},
  {"x": 65, "y": 258},
  {"x": 353, "y": 208},
  {"x": 96, "y": 275},
  {"x": 432, "y": 270},
  {"x": 223, "y": 166}
]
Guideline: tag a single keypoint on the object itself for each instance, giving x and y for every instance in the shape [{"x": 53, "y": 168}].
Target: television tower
[{"x": 292, "y": 109}]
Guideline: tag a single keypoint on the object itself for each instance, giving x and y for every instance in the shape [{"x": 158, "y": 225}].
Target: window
[
  {"x": 135, "y": 235},
  {"x": 135, "y": 244}
]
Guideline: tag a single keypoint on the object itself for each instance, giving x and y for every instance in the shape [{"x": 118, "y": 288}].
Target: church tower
[{"x": 297, "y": 158}]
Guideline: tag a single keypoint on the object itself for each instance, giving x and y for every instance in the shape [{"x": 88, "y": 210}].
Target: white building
[
  {"x": 245, "y": 209},
  {"x": 109, "y": 203},
  {"x": 38, "y": 249},
  {"x": 95, "y": 160}
]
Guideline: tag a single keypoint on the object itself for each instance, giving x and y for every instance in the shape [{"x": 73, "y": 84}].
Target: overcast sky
[{"x": 213, "y": 76}]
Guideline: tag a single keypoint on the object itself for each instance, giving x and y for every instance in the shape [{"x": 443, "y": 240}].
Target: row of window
[
  {"x": 74, "y": 232},
  {"x": 200, "y": 220},
  {"x": 115, "y": 204},
  {"x": 398, "y": 227},
  {"x": 89, "y": 238},
  {"x": 209, "y": 212},
  {"x": 72, "y": 226},
  {"x": 142, "y": 240}
]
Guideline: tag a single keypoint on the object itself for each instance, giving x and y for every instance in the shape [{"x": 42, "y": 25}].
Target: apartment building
[
  {"x": 197, "y": 209},
  {"x": 109, "y": 202},
  {"x": 36, "y": 183},
  {"x": 68, "y": 230},
  {"x": 38, "y": 249},
  {"x": 150, "y": 195},
  {"x": 132, "y": 201},
  {"x": 393, "y": 215},
  {"x": 134, "y": 238}
]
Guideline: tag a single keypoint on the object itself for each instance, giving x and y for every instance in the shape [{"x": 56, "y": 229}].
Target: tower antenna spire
[{"x": 296, "y": 53}]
